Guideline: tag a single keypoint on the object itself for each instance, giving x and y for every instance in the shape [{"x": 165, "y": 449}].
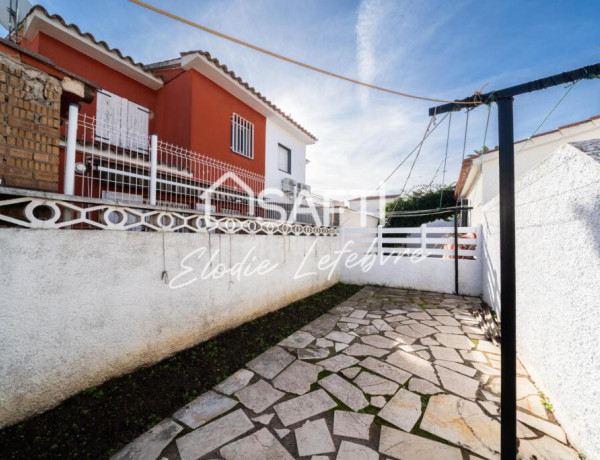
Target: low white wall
[
  {"x": 426, "y": 274},
  {"x": 558, "y": 284},
  {"x": 80, "y": 307}
]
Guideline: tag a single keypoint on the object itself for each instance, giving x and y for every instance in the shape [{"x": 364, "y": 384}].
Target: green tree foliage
[
  {"x": 482, "y": 150},
  {"x": 422, "y": 198}
]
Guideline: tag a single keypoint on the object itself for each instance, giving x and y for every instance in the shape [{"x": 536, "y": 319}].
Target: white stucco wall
[
  {"x": 483, "y": 182},
  {"x": 353, "y": 219},
  {"x": 80, "y": 307},
  {"x": 275, "y": 135},
  {"x": 427, "y": 274},
  {"x": 372, "y": 205},
  {"x": 558, "y": 284}
]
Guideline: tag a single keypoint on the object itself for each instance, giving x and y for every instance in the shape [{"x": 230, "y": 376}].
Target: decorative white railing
[
  {"x": 421, "y": 241},
  {"x": 114, "y": 164},
  {"x": 53, "y": 211}
]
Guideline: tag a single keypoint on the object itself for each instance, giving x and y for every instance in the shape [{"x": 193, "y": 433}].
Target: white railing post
[
  {"x": 423, "y": 240},
  {"x": 478, "y": 241},
  {"x": 153, "y": 167},
  {"x": 69, "y": 179},
  {"x": 326, "y": 209},
  {"x": 380, "y": 241},
  {"x": 294, "y": 211}
]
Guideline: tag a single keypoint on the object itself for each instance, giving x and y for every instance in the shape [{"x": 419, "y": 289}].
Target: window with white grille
[{"x": 242, "y": 136}]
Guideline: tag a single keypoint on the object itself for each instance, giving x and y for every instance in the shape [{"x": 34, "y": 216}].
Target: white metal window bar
[{"x": 242, "y": 136}]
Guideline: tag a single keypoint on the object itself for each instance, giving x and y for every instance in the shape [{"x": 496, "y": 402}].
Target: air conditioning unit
[
  {"x": 288, "y": 184},
  {"x": 305, "y": 187}
]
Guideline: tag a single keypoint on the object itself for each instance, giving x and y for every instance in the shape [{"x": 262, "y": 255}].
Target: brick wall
[{"x": 29, "y": 125}]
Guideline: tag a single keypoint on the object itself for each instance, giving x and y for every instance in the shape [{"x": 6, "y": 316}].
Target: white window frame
[
  {"x": 242, "y": 136},
  {"x": 289, "y": 158}
]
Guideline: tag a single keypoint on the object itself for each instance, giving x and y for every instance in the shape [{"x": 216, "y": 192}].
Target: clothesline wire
[
  {"x": 445, "y": 159},
  {"x": 418, "y": 146},
  {"x": 565, "y": 94},
  {"x": 427, "y": 132},
  {"x": 294, "y": 61},
  {"x": 465, "y": 139}
]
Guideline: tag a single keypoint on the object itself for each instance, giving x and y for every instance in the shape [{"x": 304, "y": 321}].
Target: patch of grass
[
  {"x": 475, "y": 341},
  {"x": 545, "y": 401},
  {"x": 420, "y": 304},
  {"x": 340, "y": 404},
  {"x": 323, "y": 374},
  {"x": 97, "y": 422},
  {"x": 370, "y": 410}
]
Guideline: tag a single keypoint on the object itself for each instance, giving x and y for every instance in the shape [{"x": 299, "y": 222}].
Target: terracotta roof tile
[
  {"x": 116, "y": 51},
  {"x": 462, "y": 177},
  {"x": 251, "y": 89},
  {"x": 147, "y": 69},
  {"x": 466, "y": 165},
  {"x": 48, "y": 62}
]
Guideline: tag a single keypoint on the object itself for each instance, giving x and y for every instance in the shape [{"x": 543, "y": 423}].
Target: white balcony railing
[
  {"x": 142, "y": 170},
  {"x": 113, "y": 164}
]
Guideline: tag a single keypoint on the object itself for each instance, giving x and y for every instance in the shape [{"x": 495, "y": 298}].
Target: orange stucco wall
[
  {"x": 199, "y": 117},
  {"x": 80, "y": 64},
  {"x": 173, "y": 108},
  {"x": 189, "y": 110},
  {"x": 211, "y": 124}
]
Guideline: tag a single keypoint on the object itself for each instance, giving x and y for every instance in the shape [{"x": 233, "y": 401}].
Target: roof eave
[
  {"x": 206, "y": 67},
  {"x": 37, "y": 22}
]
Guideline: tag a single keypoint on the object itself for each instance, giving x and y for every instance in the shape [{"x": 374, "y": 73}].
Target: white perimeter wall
[
  {"x": 80, "y": 307},
  {"x": 426, "y": 274},
  {"x": 485, "y": 186},
  {"x": 558, "y": 285},
  {"x": 277, "y": 135}
]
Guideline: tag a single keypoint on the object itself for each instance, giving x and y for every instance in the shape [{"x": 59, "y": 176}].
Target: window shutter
[
  {"x": 138, "y": 118},
  {"x": 120, "y": 122},
  {"x": 103, "y": 116},
  {"x": 121, "y": 137}
]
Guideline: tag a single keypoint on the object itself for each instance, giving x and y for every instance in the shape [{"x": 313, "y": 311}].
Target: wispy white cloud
[{"x": 370, "y": 18}]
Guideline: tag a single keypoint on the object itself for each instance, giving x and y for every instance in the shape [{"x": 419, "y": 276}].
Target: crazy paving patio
[{"x": 389, "y": 373}]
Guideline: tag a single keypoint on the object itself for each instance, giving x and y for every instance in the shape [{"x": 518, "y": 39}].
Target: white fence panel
[{"x": 424, "y": 259}]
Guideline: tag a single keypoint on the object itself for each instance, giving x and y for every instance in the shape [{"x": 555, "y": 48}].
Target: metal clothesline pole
[{"x": 504, "y": 99}]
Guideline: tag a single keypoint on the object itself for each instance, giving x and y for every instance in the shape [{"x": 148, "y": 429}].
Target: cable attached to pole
[
  {"x": 571, "y": 86},
  {"x": 465, "y": 140},
  {"x": 487, "y": 124},
  {"x": 427, "y": 133},
  {"x": 418, "y": 146},
  {"x": 445, "y": 159}
]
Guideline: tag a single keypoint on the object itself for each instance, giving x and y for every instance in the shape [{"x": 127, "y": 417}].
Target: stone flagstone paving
[{"x": 387, "y": 374}]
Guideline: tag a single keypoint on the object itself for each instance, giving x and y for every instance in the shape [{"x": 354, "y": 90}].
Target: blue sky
[{"x": 440, "y": 49}]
